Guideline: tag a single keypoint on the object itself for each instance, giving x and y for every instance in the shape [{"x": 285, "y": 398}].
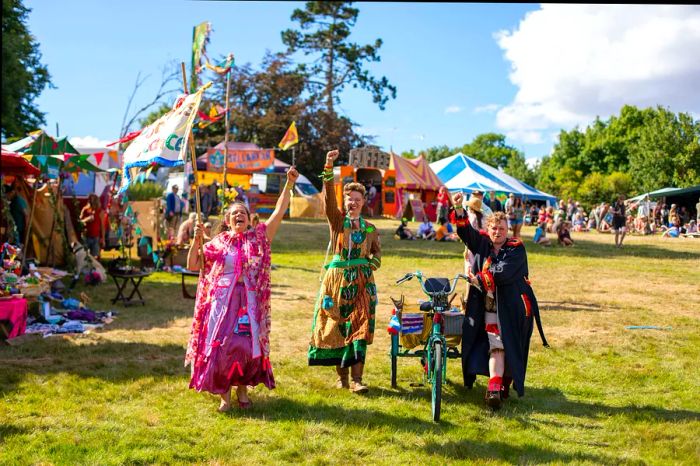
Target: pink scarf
[{"x": 253, "y": 264}]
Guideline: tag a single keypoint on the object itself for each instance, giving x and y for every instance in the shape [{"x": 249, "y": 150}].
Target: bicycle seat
[{"x": 437, "y": 285}]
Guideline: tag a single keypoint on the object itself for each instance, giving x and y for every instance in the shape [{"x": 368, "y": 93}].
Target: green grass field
[{"x": 603, "y": 394}]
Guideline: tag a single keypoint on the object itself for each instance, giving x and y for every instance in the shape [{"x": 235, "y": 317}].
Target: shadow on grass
[
  {"x": 287, "y": 409},
  {"x": 538, "y": 400},
  {"x": 6, "y": 430},
  {"x": 106, "y": 360},
  {"x": 481, "y": 450}
]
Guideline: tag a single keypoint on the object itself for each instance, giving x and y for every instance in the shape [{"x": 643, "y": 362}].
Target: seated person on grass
[
  {"x": 443, "y": 233},
  {"x": 403, "y": 232},
  {"x": 425, "y": 230},
  {"x": 564, "y": 235},
  {"x": 541, "y": 235}
]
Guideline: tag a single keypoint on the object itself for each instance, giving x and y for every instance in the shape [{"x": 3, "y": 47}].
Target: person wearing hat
[
  {"x": 477, "y": 221},
  {"x": 485, "y": 209}
]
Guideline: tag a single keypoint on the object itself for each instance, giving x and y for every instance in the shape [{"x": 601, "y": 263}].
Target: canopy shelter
[
  {"x": 654, "y": 194},
  {"x": 466, "y": 174},
  {"x": 16, "y": 165}
]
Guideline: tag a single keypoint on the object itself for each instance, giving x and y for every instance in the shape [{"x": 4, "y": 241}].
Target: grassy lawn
[{"x": 603, "y": 394}]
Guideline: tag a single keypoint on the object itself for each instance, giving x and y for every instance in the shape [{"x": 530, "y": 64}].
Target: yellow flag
[
  {"x": 76, "y": 176},
  {"x": 290, "y": 138}
]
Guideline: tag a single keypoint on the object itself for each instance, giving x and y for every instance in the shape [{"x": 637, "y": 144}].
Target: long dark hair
[{"x": 479, "y": 219}]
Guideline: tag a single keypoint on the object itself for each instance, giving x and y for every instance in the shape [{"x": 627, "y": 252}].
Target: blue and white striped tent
[{"x": 462, "y": 173}]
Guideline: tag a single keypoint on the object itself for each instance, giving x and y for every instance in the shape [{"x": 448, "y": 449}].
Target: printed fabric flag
[
  {"x": 163, "y": 142},
  {"x": 200, "y": 39},
  {"x": 290, "y": 138}
]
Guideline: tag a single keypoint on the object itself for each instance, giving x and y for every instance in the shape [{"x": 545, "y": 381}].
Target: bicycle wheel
[
  {"x": 394, "y": 357},
  {"x": 437, "y": 380}
]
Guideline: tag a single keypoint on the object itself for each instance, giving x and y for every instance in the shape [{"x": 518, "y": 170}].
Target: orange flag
[{"x": 290, "y": 138}]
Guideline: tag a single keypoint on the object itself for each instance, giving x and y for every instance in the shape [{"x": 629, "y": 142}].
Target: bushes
[{"x": 145, "y": 191}]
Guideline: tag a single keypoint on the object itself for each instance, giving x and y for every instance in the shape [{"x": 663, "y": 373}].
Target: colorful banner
[
  {"x": 164, "y": 141},
  {"x": 246, "y": 159},
  {"x": 200, "y": 38},
  {"x": 290, "y": 138}
]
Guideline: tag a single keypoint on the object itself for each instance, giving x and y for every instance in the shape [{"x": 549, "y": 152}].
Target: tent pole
[
  {"x": 198, "y": 206},
  {"x": 29, "y": 227}
]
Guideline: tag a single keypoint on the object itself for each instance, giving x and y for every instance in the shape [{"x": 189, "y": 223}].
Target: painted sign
[
  {"x": 369, "y": 156},
  {"x": 417, "y": 207},
  {"x": 241, "y": 159}
]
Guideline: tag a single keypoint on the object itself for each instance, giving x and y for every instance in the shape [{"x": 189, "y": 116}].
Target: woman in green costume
[{"x": 345, "y": 311}]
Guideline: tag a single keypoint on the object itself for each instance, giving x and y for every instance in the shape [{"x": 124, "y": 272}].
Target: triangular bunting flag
[
  {"x": 76, "y": 176},
  {"x": 42, "y": 159},
  {"x": 98, "y": 157},
  {"x": 113, "y": 155}
]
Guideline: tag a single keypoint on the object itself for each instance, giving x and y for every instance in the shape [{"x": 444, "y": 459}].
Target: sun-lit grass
[{"x": 603, "y": 394}]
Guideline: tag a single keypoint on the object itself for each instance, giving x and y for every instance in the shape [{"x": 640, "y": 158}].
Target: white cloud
[
  {"x": 453, "y": 109},
  {"x": 88, "y": 141},
  {"x": 572, "y": 63},
  {"x": 488, "y": 108},
  {"x": 532, "y": 161},
  {"x": 420, "y": 137}
]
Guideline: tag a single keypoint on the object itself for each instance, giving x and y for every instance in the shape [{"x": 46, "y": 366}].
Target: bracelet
[{"x": 288, "y": 186}]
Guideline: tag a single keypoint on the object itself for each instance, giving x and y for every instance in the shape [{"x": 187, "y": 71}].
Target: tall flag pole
[
  {"x": 194, "y": 171},
  {"x": 229, "y": 62}
]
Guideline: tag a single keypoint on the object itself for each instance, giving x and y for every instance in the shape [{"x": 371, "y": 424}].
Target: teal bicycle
[{"x": 444, "y": 322}]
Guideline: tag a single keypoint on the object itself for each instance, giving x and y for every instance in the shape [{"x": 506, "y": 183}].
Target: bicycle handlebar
[{"x": 418, "y": 274}]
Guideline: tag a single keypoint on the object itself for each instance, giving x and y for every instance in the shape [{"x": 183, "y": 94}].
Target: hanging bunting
[{"x": 98, "y": 157}]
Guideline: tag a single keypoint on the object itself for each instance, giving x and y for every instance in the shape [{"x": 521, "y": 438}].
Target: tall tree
[
  {"x": 337, "y": 62},
  {"x": 24, "y": 77}
]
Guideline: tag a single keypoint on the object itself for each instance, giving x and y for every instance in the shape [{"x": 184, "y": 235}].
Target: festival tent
[
  {"x": 414, "y": 175},
  {"x": 466, "y": 174},
  {"x": 654, "y": 194}
]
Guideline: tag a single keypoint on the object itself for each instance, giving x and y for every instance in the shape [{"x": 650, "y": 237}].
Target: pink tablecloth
[{"x": 14, "y": 310}]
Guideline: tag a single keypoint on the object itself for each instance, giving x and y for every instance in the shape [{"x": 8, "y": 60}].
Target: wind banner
[{"x": 163, "y": 142}]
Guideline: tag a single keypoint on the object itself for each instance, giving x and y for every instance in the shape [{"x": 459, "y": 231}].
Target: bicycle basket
[{"x": 453, "y": 324}]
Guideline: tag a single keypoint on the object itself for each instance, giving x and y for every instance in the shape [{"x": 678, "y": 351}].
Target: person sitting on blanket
[{"x": 501, "y": 307}]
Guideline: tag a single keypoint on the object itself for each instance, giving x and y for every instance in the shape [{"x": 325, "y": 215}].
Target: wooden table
[
  {"x": 188, "y": 273},
  {"x": 125, "y": 277}
]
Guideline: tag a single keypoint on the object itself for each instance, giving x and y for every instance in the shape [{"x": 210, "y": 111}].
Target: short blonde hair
[
  {"x": 495, "y": 218},
  {"x": 354, "y": 186}
]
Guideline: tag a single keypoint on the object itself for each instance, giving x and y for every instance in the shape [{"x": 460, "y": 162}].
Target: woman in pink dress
[{"x": 229, "y": 345}]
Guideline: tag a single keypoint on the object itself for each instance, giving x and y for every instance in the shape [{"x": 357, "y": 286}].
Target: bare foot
[
  {"x": 225, "y": 404},
  {"x": 242, "y": 393}
]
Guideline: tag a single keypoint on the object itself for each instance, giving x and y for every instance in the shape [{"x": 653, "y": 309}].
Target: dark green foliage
[
  {"x": 23, "y": 75},
  {"x": 325, "y": 29}
]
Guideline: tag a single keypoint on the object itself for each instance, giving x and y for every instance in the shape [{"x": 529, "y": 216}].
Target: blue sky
[{"x": 461, "y": 69}]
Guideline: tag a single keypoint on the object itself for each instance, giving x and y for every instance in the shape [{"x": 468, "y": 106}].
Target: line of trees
[{"x": 637, "y": 151}]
